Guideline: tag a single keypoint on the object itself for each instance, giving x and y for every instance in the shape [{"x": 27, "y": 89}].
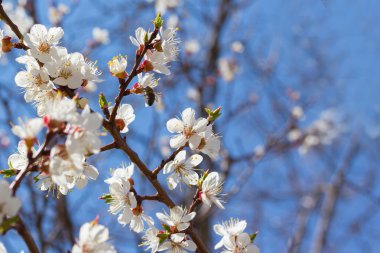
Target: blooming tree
[{"x": 55, "y": 147}]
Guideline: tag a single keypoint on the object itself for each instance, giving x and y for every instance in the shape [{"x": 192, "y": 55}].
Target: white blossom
[
  {"x": 100, "y": 35},
  {"x": 60, "y": 109},
  {"x": 210, "y": 143},
  {"x": 158, "y": 62},
  {"x": 240, "y": 244},
  {"x": 138, "y": 219},
  {"x": 169, "y": 43},
  {"x": 65, "y": 165},
  {"x": 57, "y": 13},
  {"x": 119, "y": 175},
  {"x": 228, "y": 68},
  {"x": 117, "y": 66},
  {"x": 122, "y": 201},
  {"x": 179, "y": 218},
  {"x": 139, "y": 39},
  {"x": 34, "y": 79},
  {"x": 125, "y": 116},
  {"x": 28, "y": 130},
  {"x": 9, "y": 205},
  {"x": 19, "y": 160},
  {"x": 2, "y": 248},
  {"x": 19, "y": 16},
  {"x": 46, "y": 182},
  {"x": 162, "y": 5},
  {"x": 93, "y": 238},
  {"x": 188, "y": 129},
  {"x": 151, "y": 239},
  {"x": 211, "y": 190},
  {"x": 182, "y": 170},
  {"x": 42, "y": 42},
  {"x": 192, "y": 46},
  {"x": 147, "y": 80},
  {"x": 228, "y": 229},
  {"x": 178, "y": 243},
  {"x": 84, "y": 132},
  {"x": 67, "y": 69}
]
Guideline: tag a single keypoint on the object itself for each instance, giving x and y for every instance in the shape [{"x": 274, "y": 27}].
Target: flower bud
[
  {"x": 158, "y": 21},
  {"x": 7, "y": 45}
]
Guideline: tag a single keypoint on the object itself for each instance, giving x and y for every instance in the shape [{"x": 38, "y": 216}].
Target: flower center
[
  {"x": 44, "y": 47},
  {"x": 188, "y": 132},
  {"x": 65, "y": 73}
]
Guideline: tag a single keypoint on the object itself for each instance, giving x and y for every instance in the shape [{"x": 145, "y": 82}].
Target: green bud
[
  {"x": 158, "y": 21},
  {"x": 213, "y": 115},
  {"x": 146, "y": 38},
  {"x": 253, "y": 236},
  {"x": 9, "y": 172},
  {"x": 107, "y": 198},
  {"x": 102, "y": 101},
  {"x": 6, "y": 225}
]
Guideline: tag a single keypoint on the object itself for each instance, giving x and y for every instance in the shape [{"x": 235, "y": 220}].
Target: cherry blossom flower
[
  {"x": 19, "y": 160},
  {"x": 9, "y": 205},
  {"x": 34, "y": 80},
  {"x": 119, "y": 175},
  {"x": 211, "y": 189},
  {"x": 84, "y": 132},
  {"x": 169, "y": 43},
  {"x": 192, "y": 46},
  {"x": 19, "y": 16},
  {"x": 80, "y": 181},
  {"x": 162, "y": 5},
  {"x": 93, "y": 238},
  {"x": 138, "y": 219},
  {"x": 210, "y": 143},
  {"x": 65, "y": 165},
  {"x": 151, "y": 239},
  {"x": 28, "y": 130},
  {"x": 240, "y": 244},
  {"x": 43, "y": 99},
  {"x": 178, "y": 244},
  {"x": 182, "y": 170},
  {"x": 147, "y": 80},
  {"x": 100, "y": 36},
  {"x": 233, "y": 227},
  {"x": 122, "y": 200},
  {"x": 56, "y": 14},
  {"x": 179, "y": 218},
  {"x": 2, "y": 248},
  {"x": 67, "y": 69},
  {"x": 43, "y": 42},
  {"x": 117, "y": 66},
  {"x": 140, "y": 34},
  {"x": 157, "y": 62},
  {"x": 125, "y": 116},
  {"x": 60, "y": 110},
  {"x": 188, "y": 129}
]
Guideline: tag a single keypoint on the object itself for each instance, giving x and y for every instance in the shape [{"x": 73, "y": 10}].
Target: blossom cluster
[{"x": 73, "y": 131}]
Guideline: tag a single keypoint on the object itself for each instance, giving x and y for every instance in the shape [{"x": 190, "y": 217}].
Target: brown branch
[
  {"x": 23, "y": 231},
  {"x": 9, "y": 22},
  {"x": 330, "y": 202},
  {"x": 124, "y": 84}
]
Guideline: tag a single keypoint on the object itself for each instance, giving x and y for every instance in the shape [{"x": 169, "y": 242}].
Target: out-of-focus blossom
[
  {"x": 192, "y": 46},
  {"x": 100, "y": 35},
  {"x": 228, "y": 68},
  {"x": 237, "y": 47},
  {"x": 56, "y": 14}
]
